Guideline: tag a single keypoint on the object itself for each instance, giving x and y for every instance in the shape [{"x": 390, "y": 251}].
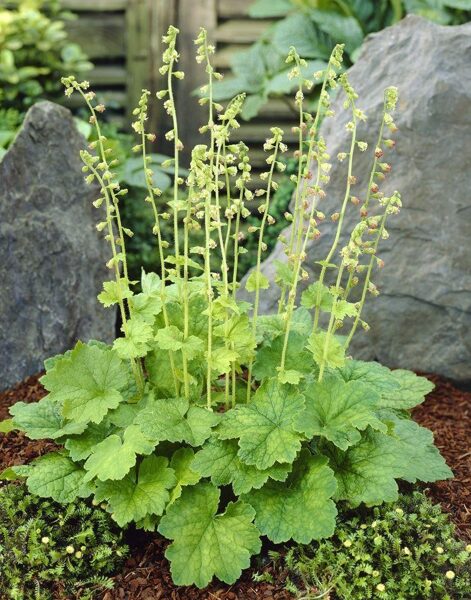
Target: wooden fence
[{"x": 123, "y": 40}]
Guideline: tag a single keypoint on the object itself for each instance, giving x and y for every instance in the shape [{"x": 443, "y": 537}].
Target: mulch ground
[{"x": 146, "y": 576}]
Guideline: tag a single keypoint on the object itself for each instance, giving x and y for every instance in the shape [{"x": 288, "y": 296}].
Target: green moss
[
  {"x": 402, "y": 551},
  {"x": 45, "y": 546}
]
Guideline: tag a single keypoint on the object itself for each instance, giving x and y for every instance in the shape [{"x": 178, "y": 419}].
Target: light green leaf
[
  {"x": 338, "y": 411},
  {"x": 319, "y": 295},
  {"x": 131, "y": 500},
  {"x": 269, "y": 357},
  {"x": 6, "y": 426},
  {"x": 182, "y": 465},
  {"x": 43, "y": 420},
  {"x": 80, "y": 447},
  {"x": 113, "y": 458},
  {"x": 205, "y": 543},
  {"x": 343, "y": 309},
  {"x": 335, "y": 356},
  {"x": 237, "y": 332},
  {"x": 88, "y": 383},
  {"x": 371, "y": 373},
  {"x": 14, "y": 473},
  {"x": 366, "y": 472},
  {"x": 265, "y": 427},
  {"x": 173, "y": 420},
  {"x": 301, "y": 509},
  {"x": 221, "y": 359},
  {"x": 255, "y": 280},
  {"x": 284, "y": 273},
  {"x": 135, "y": 343},
  {"x": 55, "y": 476},
  {"x": 219, "y": 461},
  {"x": 113, "y": 292},
  {"x": 410, "y": 391},
  {"x": 290, "y": 376},
  {"x": 169, "y": 338}
]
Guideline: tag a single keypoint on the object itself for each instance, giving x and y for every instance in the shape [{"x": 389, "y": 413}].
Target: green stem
[
  {"x": 259, "y": 259},
  {"x": 367, "y": 278},
  {"x": 341, "y": 217}
]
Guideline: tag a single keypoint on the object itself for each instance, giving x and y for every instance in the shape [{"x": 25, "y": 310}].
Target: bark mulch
[{"x": 146, "y": 576}]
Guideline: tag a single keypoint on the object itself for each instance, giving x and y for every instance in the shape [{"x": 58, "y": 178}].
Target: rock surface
[
  {"x": 422, "y": 319},
  {"x": 52, "y": 260}
]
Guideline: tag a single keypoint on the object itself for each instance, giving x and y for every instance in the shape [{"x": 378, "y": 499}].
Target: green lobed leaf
[
  {"x": 205, "y": 543},
  {"x": 182, "y": 465},
  {"x": 219, "y": 460},
  {"x": 269, "y": 357},
  {"x": 114, "y": 457},
  {"x": 88, "y": 383},
  {"x": 319, "y": 295},
  {"x": 338, "y": 411},
  {"x": 135, "y": 343},
  {"x": 174, "y": 420},
  {"x": 55, "y": 476},
  {"x": 43, "y": 420},
  {"x": 419, "y": 459},
  {"x": 255, "y": 280},
  {"x": 113, "y": 292},
  {"x": 80, "y": 446},
  {"x": 409, "y": 392},
  {"x": 6, "y": 426},
  {"x": 366, "y": 472},
  {"x": 137, "y": 496},
  {"x": 335, "y": 356},
  {"x": 301, "y": 509},
  {"x": 265, "y": 427},
  {"x": 371, "y": 373}
]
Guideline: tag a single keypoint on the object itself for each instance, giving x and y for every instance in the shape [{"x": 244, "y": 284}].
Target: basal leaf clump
[{"x": 207, "y": 421}]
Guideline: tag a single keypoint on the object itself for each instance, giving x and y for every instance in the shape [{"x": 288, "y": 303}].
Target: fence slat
[
  {"x": 228, "y": 9},
  {"x": 94, "y": 5},
  {"x": 241, "y": 31},
  {"x": 99, "y": 37}
]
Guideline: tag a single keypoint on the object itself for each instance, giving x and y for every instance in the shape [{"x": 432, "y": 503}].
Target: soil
[{"x": 146, "y": 575}]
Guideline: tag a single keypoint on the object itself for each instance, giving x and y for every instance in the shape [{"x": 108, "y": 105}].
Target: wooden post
[
  {"x": 147, "y": 21},
  {"x": 191, "y": 16}
]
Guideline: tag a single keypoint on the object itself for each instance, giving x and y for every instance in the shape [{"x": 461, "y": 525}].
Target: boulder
[
  {"x": 52, "y": 259},
  {"x": 422, "y": 319}
]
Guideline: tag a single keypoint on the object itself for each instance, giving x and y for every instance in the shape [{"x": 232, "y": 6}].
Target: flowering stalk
[
  {"x": 392, "y": 206},
  {"x": 351, "y": 179},
  {"x": 322, "y": 168},
  {"x": 204, "y": 53},
  {"x": 259, "y": 281},
  {"x": 110, "y": 190},
  {"x": 152, "y": 193}
]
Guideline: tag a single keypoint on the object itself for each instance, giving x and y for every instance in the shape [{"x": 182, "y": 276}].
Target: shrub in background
[
  {"x": 46, "y": 546},
  {"x": 35, "y": 53},
  {"x": 402, "y": 551},
  {"x": 209, "y": 422}
]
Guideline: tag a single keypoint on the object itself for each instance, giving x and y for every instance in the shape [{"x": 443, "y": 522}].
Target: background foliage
[{"x": 314, "y": 27}]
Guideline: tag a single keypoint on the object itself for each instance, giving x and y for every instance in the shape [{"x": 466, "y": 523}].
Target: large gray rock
[
  {"x": 422, "y": 319},
  {"x": 52, "y": 260}
]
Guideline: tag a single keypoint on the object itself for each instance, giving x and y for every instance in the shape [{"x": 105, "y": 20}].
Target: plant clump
[
  {"x": 207, "y": 421},
  {"x": 395, "y": 552},
  {"x": 47, "y": 547}
]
